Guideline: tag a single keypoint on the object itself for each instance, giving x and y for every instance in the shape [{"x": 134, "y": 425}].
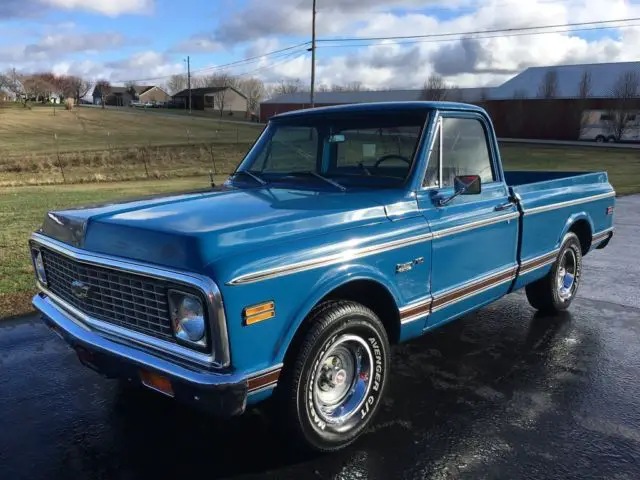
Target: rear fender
[{"x": 571, "y": 221}]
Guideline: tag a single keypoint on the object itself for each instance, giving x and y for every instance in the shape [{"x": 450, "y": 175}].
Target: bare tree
[
  {"x": 348, "y": 87},
  {"x": 4, "y": 82},
  {"x": 625, "y": 93},
  {"x": 549, "y": 86},
  {"x": 223, "y": 83},
  {"x": 82, "y": 88},
  {"x": 455, "y": 94},
  {"x": 520, "y": 94},
  {"x": 177, "y": 83},
  {"x": 14, "y": 85},
  {"x": 253, "y": 89},
  {"x": 435, "y": 88},
  {"x": 131, "y": 90},
  {"x": 103, "y": 88},
  {"x": 288, "y": 86},
  {"x": 584, "y": 92},
  {"x": 37, "y": 87},
  {"x": 584, "y": 86}
]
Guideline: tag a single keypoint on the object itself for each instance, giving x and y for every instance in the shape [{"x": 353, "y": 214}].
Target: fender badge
[{"x": 404, "y": 267}]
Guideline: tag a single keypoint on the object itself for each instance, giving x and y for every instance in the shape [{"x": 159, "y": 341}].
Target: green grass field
[
  {"x": 622, "y": 165},
  {"x": 93, "y": 145},
  {"x": 22, "y": 207},
  {"x": 22, "y": 210},
  {"x": 39, "y": 131}
]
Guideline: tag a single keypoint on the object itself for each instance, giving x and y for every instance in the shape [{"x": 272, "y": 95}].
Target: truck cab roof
[{"x": 380, "y": 107}]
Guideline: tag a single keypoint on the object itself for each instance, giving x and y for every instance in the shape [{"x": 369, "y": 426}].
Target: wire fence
[{"x": 122, "y": 163}]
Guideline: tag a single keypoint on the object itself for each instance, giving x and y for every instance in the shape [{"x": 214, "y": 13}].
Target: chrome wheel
[
  {"x": 566, "y": 276},
  {"x": 342, "y": 381}
]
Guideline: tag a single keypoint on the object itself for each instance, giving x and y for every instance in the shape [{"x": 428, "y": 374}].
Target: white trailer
[{"x": 598, "y": 127}]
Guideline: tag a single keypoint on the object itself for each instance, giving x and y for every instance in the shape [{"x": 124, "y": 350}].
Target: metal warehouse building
[
  {"x": 517, "y": 107},
  {"x": 300, "y": 100}
]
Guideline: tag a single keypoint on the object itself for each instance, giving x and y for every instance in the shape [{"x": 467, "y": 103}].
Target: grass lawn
[
  {"x": 39, "y": 130},
  {"x": 95, "y": 145},
  {"x": 622, "y": 165},
  {"x": 22, "y": 210}
]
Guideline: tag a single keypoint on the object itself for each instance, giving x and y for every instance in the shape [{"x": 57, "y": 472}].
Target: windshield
[{"x": 345, "y": 149}]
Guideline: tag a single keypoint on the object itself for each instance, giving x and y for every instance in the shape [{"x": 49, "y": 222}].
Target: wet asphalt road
[{"x": 504, "y": 393}]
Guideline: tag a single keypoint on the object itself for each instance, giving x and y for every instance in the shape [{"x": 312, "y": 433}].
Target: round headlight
[
  {"x": 188, "y": 317},
  {"x": 39, "y": 266}
]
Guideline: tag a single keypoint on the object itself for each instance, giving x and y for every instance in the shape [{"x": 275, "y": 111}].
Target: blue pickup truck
[{"x": 343, "y": 231}]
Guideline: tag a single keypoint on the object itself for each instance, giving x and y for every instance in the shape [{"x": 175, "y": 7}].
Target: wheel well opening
[
  {"x": 372, "y": 295},
  {"x": 583, "y": 230}
]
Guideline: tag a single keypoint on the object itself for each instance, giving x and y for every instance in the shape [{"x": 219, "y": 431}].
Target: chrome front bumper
[{"x": 218, "y": 393}]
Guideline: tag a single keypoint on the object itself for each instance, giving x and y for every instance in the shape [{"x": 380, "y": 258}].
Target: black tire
[
  {"x": 611, "y": 139},
  {"x": 304, "y": 375},
  {"x": 600, "y": 139},
  {"x": 546, "y": 294}
]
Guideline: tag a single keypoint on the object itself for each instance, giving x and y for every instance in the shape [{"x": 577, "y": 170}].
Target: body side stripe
[
  {"x": 569, "y": 203},
  {"x": 363, "y": 252}
]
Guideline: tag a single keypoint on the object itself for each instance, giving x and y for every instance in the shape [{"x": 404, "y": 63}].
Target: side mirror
[
  {"x": 463, "y": 185},
  {"x": 467, "y": 185}
]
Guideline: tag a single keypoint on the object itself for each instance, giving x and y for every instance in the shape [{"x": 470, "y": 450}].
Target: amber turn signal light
[
  {"x": 259, "y": 313},
  {"x": 156, "y": 382}
]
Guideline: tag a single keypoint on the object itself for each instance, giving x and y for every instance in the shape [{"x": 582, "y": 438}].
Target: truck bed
[
  {"x": 516, "y": 178},
  {"x": 551, "y": 203}
]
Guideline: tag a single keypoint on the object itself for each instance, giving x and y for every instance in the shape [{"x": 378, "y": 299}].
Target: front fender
[{"x": 325, "y": 284}]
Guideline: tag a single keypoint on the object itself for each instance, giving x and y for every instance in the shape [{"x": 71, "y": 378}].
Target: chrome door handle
[{"x": 503, "y": 206}]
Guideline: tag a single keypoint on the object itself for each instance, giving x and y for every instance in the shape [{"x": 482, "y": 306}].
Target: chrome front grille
[{"x": 128, "y": 300}]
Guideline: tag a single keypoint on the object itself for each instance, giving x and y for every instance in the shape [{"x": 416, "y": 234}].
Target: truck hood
[{"x": 189, "y": 231}]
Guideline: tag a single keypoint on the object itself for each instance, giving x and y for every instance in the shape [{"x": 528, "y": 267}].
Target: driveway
[{"x": 504, "y": 393}]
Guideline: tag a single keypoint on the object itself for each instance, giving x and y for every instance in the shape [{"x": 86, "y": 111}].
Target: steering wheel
[{"x": 389, "y": 157}]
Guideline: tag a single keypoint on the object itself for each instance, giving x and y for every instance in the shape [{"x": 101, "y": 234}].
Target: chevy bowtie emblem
[{"x": 80, "y": 290}]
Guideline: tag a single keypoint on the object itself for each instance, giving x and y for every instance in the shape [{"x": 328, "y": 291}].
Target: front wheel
[
  {"x": 555, "y": 291},
  {"x": 333, "y": 387}
]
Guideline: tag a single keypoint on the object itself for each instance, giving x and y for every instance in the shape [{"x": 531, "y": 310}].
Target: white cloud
[
  {"x": 148, "y": 67},
  {"x": 258, "y": 27},
  {"x": 198, "y": 44},
  {"x": 106, "y": 7}
]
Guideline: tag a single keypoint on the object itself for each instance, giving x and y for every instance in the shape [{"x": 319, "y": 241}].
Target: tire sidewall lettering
[{"x": 377, "y": 380}]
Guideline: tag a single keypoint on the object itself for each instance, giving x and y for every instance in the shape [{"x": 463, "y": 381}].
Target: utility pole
[
  {"x": 189, "y": 81},
  {"x": 313, "y": 57}
]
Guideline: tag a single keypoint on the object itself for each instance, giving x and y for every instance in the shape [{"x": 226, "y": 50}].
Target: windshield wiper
[
  {"x": 250, "y": 174},
  {"x": 342, "y": 188}
]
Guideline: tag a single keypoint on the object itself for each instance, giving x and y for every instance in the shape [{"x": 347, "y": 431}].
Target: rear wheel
[
  {"x": 555, "y": 291},
  {"x": 611, "y": 139},
  {"x": 333, "y": 387},
  {"x": 600, "y": 139}
]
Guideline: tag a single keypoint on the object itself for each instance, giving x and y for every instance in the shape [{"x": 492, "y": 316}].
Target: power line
[
  {"x": 462, "y": 36},
  {"x": 236, "y": 63},
  {"x": 477, "y": 32},
  {"x": 257, "y": 57},
  {"x": 295, "y": 56}
]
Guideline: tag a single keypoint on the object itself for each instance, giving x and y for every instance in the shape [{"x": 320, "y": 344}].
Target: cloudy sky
[{"x": 148, "y": 40}]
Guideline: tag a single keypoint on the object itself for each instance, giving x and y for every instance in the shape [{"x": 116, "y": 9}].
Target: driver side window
[{"x": 464, "y": 152}]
